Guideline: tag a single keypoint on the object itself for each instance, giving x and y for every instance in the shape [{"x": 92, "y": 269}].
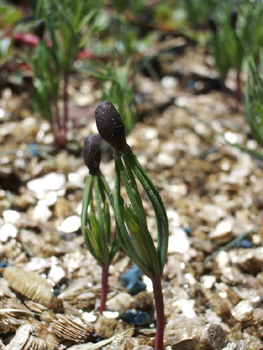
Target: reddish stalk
[
  {"x": 238, "y": 88},
  {"x": 55, "y": 125},
  {"x": 159, "y": 307},
  {"x": 104, "y": 287},
  {"x": 223, "y": 90},
  {"x": 64, "y": 123}
]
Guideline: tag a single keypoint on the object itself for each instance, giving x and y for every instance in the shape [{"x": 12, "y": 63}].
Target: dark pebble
[
  {"x": 138, "y": 318},
  {"x": 132, "y": 280},
  {"x": 244, "y": 243}
]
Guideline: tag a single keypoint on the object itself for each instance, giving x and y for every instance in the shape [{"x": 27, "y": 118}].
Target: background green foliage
[{"x": 254, "y": 99}]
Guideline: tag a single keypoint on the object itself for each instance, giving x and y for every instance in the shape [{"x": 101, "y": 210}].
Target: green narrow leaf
[
  {"x": 92, "y": 245},
  {"x": 136, "y": 232},
  {"x": 124, "y": 236},
  {"x": 107, "y": 225},
  {"x": 155, "y": 198},
  {"x": 147, "y": 238}
]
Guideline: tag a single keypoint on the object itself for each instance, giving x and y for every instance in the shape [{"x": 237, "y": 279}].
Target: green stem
[
  {"x": 101, "y": 220},
  {"x": 106, "y": 188},
  {"x": 85, "y": 203},
  {"x": 84, "y": 215}
]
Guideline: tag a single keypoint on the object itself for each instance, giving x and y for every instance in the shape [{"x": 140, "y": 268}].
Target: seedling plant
[
  {"x": 134, "y": 234},
  {"x": 116, "y": 85},
  {"x": 97, "y": 229},
  {"x": 64, "y": 22}
]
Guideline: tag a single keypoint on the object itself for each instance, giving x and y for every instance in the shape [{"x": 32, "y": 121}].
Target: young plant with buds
[
  {"x": 135, "y": 237},
  {"x": 97, "y": 229}
]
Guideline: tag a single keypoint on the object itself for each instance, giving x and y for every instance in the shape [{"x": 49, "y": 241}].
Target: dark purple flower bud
[
  {"x": 212, "y": 25},
  {"x": 92, "y": 153},
  {"x": 110, "y": 125},
  {"x": 233, "y": 19}
]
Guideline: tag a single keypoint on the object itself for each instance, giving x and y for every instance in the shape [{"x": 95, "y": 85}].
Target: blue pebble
[
  {"x": 187, "y": 230},
  {"x": 132, "y": 280},
  {"x": 33, "y": 149},
  {"x": 129, "y": 316},
  {"x": 139, "y": 318},
  {"x": 213, "y": 150},
  {"x": 134, "y": 272},
  {"x": 142, "y": 319},
  {"x": 56, "y": 292},
  {"x": 135, "y": 286},
  {"x": 4, "y": 264},
  {"x": 202, "y": 155},
  {"x": 244, "y": 243}
]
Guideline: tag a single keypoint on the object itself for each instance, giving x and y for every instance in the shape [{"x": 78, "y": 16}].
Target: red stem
[
  {"x": 238, "y": 88},
  {"x": 65, "y": 107},
  {"x": 104, "y": 287},
  {"x": 55, "y": 124},
  {"x": 159, "y": 307},
  {"x": 223, "y": 90}
]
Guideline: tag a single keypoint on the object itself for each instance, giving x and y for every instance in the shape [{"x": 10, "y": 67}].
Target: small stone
[
  {"x": 180, "y": 327},
  {"x": 222, "y": 232},
  {"x": 166, "y": 160},
  {"x": 222, "y": 259},
  {"x": 213, "y": 338},
  {"x": 56, "y": 273},
  {"x": 120, "y": 302},
  {"x": 250, "y": 260},
  {"x": 49, "y": 182},
  {"x": 187, "y": 344},
  {"x": 7, "y": 231},
  {"x": 211, "y": 213},
  {"x": 25, "y": 200},
  {"x": 258, "y": 315},
  {"x": 132, "y": 279},
  {"x": 178, "y": 241},
  {"x": 40, "y": 213},
  {"x": 123, "y": 343},
  {"x": 199, "y": 244},
  {"x": 186, "y": 306},
  {"x": 62, "y": 207},
  {"x": 138, "y": 318},
  {"x": 207, "y": 282},
  {"x": 243, "y": 311},
  {"x": 169, "y": 82},
  {"x": 70, "y": 224},
  {"x": 142, "y": 301},
  {"x": 142, "y": 347},
  {"x": 232, "y": 275},
  {"x": 245, "y": 243},
  {"x": 106, "y": 327},
  {"x": 11, "y": 216}
]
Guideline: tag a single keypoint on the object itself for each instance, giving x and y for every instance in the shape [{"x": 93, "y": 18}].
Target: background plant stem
[
  {"x": 56, "y": 126},
  {"x": 65, "y": 107},
  {"x": 104, "y": 287},
  {"x": 159, "y": 307}
]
